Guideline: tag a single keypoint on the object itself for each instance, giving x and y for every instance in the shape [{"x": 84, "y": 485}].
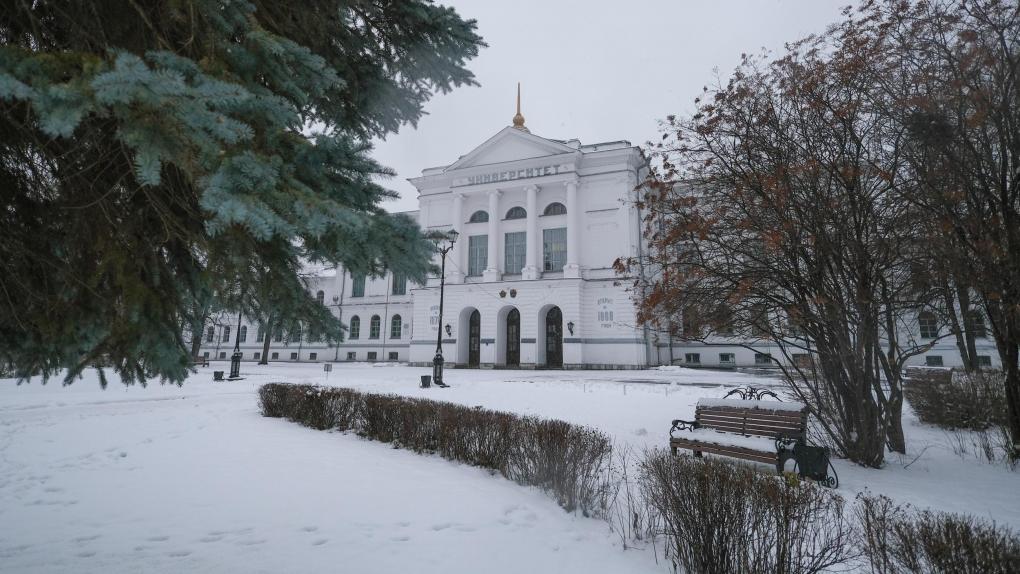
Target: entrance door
[
  {"x": 554, "y": 338},
  {"x": 513, "y": 338},
  {"x": 475, "y": 339}
]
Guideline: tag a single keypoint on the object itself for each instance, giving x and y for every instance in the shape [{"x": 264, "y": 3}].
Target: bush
[
  {"x": 568, "y": 461},
  {"x": 896, "y": 539},
  {"x": 723, "y": 517},
  {"x": 972, "y": 401}
]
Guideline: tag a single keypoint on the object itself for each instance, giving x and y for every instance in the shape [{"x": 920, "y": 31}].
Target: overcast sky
[{"x": 597, "y": 70}]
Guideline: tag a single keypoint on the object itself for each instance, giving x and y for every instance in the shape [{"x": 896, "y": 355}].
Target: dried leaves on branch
[{"x": 794, "y": 208}]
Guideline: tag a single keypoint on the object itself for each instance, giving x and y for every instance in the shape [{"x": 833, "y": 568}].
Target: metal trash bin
[
  {"x": 217, "y": 375},
  {"x": 426, "y": 381}
]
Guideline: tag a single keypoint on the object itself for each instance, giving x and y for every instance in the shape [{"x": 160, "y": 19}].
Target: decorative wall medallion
[{"x": 513, "y": 292}]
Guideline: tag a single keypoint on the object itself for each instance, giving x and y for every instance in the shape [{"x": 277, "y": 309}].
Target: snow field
[{"x": 164, "y": 479}]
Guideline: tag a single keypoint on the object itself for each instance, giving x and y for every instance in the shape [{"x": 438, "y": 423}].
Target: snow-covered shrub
[
  {"x": 568, "y": 461},
  {"x": 718, "y": 516},
  {"x": 897, "y": 539},
  {"x": 972, "y": 401}
]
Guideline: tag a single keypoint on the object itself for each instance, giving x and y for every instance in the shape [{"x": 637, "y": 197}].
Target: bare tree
[{"x": 775, "y": 216}]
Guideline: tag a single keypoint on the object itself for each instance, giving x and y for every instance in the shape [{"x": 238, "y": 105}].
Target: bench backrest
[{"x": 756, "y": 420}]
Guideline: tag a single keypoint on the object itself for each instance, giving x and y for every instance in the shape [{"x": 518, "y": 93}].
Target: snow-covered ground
[{"x": 167, "y": 479}]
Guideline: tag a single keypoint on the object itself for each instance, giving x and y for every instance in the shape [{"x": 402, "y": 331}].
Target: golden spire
[{"x": 519, "y": 119}]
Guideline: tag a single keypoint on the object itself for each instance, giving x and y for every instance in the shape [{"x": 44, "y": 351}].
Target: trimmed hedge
[
  {"x": 972, "y": 401},
  {"x": 718, "y": 516},
  {"x": 898, "y": 539},
  {"x": 568, "y": 461}
]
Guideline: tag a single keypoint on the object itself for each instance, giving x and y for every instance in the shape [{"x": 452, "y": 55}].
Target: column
[
  {"x": 532, "y": 249},
  {"x": 573, "y": 266},
  {"x": 491, "y": 272},
  {"x": 458, "y": 254}
]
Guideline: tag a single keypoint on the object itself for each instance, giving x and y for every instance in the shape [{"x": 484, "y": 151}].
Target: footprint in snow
[
  {"x": 400, "y": 538},
  {"x": 158, "y": 538},
  {"x": 309, "y": 528},
  {"x": 179, "y": 553},
  {"x": 320, "y": 542},
  {"x": 81, "y": 539}
]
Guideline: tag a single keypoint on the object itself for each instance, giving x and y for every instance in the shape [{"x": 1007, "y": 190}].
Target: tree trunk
[
  {"x": 265, "y": 343},
  {"x": 894, "y": 435}
]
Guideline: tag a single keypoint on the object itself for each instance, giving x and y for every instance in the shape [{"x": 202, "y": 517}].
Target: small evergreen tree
[{"x": 156, "y": 154}]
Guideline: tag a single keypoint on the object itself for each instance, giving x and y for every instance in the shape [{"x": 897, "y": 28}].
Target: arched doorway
[
  {"x": 475, "y": 339},
  {"x": 554, "y": 338},
  {"x": 513, "y": 338}
]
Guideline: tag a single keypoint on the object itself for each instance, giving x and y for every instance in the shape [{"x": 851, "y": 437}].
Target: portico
[{"x": 521, "y": 286}]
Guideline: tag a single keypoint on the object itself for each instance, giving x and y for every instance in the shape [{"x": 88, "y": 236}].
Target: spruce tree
[{"x": 154, "y": 155}]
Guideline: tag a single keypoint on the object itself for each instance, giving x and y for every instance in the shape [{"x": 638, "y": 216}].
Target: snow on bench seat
[{"x": 710, "y": 436}]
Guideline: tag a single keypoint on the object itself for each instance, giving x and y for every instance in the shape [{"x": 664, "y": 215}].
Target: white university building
[{"x": 529, "y": 282}]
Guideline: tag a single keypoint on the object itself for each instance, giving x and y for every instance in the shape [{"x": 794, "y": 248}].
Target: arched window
[
  {"x": 242, "y": 335},
  {"x": 373, "y": 327},
  {"x": 209, "y": 334},
  {"x": 555, "y": 209},
  {"x": 278, "y": 336},
  {"x": 479, "y": 217},
  {"x": 929, "y": 325},
  {"x": 320, "y": 297},
  {"x": 355, "y": 327},
  {"x": 295, "y": 335},
  {"x": 262, "y": 334},
  {"x": 226, "y": 335},
  {"x": 395, "y": 327},
  {"x": 516, "y": 213}
]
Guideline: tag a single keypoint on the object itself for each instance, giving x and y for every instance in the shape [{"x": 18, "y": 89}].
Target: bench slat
[
  {"x": 757, "y": 422},
  {"x": 752, "y": 413},
  {"x": 754, "y": 431}
]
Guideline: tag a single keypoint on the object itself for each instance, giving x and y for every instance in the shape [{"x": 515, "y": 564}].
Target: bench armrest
[
  {"x": 679, "y": 424},
  {"x": 786, "y": 441}
]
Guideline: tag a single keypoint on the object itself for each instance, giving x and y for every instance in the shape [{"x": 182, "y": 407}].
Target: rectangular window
[
  {"x": 313, "y": 356},
  {"x": 802, "y": 360},
  {"x": 984, "y": 360},
  {"x": 554, "y": 249},
  {"x": 727, "y": 359},
  {"x": 293, "y": 356},
  {"x": 478, "y": 254},
  {"x": 372, "y": 355},
  {"x": 242, "y": 335},
  {"x": 258, "y": 356},
  {"x": 933, "y": 361},
  {"x": 393, "y": 356},
  {"x": 205, "y": 354},
  {"x": 762, "y": 359},
  {"x": 351, "y": 355},
  {"x": 275, "y": 356},
  {"x": 223, "y": 355},
  {"x": 261, "y": 336},
  {"x": 692, "y": 358},
  {"x": 210, "y": 334},
  {"x": 226, "y": 335},
  {"x": 399, "y": 284},
  {"x": 514, "y": 251},
  {"x": 358, "y": 286}
]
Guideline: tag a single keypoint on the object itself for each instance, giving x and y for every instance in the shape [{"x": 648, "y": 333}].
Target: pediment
[{"x": 510, "y": 144}]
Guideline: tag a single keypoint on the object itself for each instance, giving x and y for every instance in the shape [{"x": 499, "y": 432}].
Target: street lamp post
[
  {"x": 235, "y": 359},
  {"x": 444, "y": 243}
]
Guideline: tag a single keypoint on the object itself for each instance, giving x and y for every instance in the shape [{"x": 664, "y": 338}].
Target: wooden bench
[
  {"x": 770, "y": 432},
  {"x": 199, "y": 362},
  {"x": 744, "y": 429}
]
